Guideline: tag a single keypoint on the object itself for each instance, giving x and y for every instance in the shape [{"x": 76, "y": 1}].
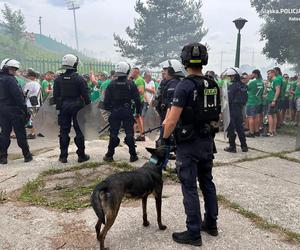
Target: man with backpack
[
  {"x": 237, "y": 96},
  {"x": 194, "y": 116}
]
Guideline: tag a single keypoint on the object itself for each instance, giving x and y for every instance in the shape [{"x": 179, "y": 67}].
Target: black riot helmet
[{"x": 194, "y": 55}]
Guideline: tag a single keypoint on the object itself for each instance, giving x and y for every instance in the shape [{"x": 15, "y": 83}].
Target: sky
[{"x": 97, "y": 20}]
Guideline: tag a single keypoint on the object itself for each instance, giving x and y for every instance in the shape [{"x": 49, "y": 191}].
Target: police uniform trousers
[
  {"x": 12, "y": 117},
  {"x": 194, "y": 161},
  {"x": 236, "y": 124},
  {"x": 67, "y": 115},
  {"x": 117, "y": 117}
]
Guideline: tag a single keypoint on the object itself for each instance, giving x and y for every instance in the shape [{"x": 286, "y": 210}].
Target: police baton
[
  {"x": 102, "y": 130},
  {"x": 150, "y": 130}
]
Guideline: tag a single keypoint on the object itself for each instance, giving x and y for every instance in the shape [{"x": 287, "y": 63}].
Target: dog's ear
[{"x": 154, "y": 152}]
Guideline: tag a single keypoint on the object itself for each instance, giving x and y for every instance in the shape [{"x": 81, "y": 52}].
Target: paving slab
[
  {"x": 295, "y": 155},
  {"x": 274, "y": 144},
  {"x": 276, "y": 168},
  {"x": 28, "y": 227},
  {"x": 223, "y": 157},
  {"x": 263, "y": 191}
]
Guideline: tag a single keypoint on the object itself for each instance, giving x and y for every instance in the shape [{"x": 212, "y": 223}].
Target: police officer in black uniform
[
  {"x": 193, "y": 116},
  {"x": 13, "y": 110},
  {"x": 237, "y": 96},
  {"x": 70, "y": 93},
  {"x": 118, "y": 100}
]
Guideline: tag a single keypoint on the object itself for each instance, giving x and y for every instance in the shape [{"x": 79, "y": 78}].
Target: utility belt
[
  {"x": 77, "y": 101},
  {"x": 122, "y": 106},
  {"x": 188, "y": 133}
]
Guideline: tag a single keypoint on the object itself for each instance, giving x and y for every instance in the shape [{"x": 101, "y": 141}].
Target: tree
[
  {"x": 161, "y": 30},
  {"x": 280, "y": 30},
  {"x": 14, "y": 23}
]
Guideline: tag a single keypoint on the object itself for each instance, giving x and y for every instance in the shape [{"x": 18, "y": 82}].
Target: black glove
[{"x": 163, "y": 153}]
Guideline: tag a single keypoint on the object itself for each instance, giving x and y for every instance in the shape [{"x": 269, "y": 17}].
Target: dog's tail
[{"x": 97, "y": 196}]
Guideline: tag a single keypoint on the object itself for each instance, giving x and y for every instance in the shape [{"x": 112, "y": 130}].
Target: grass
[
  {"x": 288, "y": 129},
  {"x": 260, "y": 222},
  {"x": 3, "y": 196}
]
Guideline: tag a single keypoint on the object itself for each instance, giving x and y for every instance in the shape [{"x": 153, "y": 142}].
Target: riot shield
[
  {"x": 225, "y": 109},
  {"x": 45, "y": 121},
  {"x": 298, "y": 138},
  {"x": 93, "y": 121},
  {"x": 152, "y": 123}
]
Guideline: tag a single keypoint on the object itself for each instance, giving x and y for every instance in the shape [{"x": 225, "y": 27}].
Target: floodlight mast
[{"x": 74, "y": 5}]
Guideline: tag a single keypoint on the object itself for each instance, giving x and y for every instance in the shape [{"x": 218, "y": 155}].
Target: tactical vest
[
  {"x": 121, "y": 93},
  {"x": 200, "y": 119},
  {"x": 68, "y": 86}
]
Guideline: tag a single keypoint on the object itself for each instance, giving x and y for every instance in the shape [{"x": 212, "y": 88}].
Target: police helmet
[
  {"x": 122, "y": 69},
  {"x": 194, "y": 54},
  {"x": 9, "y": 63},
  {"x": 70, "y": 61},
  {"x": 232, "y": 71},
  {"x": 174, "y": 67}
]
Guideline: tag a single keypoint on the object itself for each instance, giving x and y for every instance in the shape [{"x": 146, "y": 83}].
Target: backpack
[{"x": 208, "y": 99}]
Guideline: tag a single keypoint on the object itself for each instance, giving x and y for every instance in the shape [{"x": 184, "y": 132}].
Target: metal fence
[{"x": 45, "y": 65}]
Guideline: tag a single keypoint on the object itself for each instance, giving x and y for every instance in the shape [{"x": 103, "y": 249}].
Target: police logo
[{"x": 206, "y": 84}]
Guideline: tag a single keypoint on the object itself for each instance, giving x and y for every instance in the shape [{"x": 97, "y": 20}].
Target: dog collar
[{"x": 153, "y": 160}]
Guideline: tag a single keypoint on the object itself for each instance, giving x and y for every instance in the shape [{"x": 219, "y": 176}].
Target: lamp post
[
  {"x": 239, "y": 24},
  {"x": 74, "y": 5}
]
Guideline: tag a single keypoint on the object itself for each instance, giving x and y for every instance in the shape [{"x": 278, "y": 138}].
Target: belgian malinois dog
[{"x": 138, "y": 184}]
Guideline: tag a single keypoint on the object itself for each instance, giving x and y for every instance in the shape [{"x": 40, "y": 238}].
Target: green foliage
[
  {"x": 161, "y": 30},
  {"x": 14, "y": 23},
  {"x": 279, "y": 32}
]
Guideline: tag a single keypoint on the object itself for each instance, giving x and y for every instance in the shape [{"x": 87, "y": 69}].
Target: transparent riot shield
[
  {"x": 46, "y": 120},
  {"x": 225, "y": 109},
  {"x": 152, "y": 123},
  {"x": 93, "y": 121},
  {"x": 298, "y": 138}
]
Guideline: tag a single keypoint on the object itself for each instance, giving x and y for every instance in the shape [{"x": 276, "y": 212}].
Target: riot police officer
[
  {"x": 118, "y": 100},
  {"x": 13, "y": 110},
  {"x": 172, "y": 73},
  {"x": 193, "y": 115},
  {"x": 237, "y": 96},
  {"x": 70, "y": 93}
]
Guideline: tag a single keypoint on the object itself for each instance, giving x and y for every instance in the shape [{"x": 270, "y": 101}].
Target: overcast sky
[{"x": 99, "y": 19}]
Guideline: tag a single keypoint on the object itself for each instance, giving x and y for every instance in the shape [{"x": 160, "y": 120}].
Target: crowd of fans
[{"x": 261, "y": 116}]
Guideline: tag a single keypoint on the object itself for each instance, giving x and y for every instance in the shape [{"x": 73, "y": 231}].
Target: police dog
[{"x": 138, "y": 184}]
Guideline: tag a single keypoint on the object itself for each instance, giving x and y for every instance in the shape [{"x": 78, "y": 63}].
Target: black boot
[
  {"x": 63, "y": 159},
  {"x": 211, "y": 228},
  {"x": 230, "y": 149},
  {"x": 3, "y": 160},
  {"x": 187, "y": 238},
  {"x": 83, "y": 158},
  {"x": 133, "y": 158},
  {"x": 244, "y": 148},
  {"x": 108, "y": 158},
  {"x": 28, "y": 157}
]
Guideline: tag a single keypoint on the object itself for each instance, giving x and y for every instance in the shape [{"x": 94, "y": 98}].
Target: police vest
[
  {"x": 121, "y": 93},
  {"x": 201, "y": 118},
  {"x": 68, "y": 86}
]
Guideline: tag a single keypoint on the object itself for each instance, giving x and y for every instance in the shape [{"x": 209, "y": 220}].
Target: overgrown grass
[{"x": 260, "y": 222}]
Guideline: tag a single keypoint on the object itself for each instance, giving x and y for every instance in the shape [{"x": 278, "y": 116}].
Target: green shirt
[
  {"x": 45, "y": 84},
  {"x": 260, "y": 91},
  {"x": 283, "y": 89},
  {"x": 276, "y": 82},
  {"x": 297, "y": 90},
  {"x": 252, "y": 90},
  {"x": 139, "y": 82},
  {"x": 21, "y": 81},
  {"x": 103, "y": 88}
]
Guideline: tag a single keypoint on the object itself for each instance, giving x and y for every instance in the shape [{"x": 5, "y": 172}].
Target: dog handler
[{"x": 194, "y": 134}]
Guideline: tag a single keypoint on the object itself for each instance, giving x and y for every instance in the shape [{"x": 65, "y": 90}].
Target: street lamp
[
  {"x": 74, "y": 5},
  {"x": 239, "y": 24}
]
